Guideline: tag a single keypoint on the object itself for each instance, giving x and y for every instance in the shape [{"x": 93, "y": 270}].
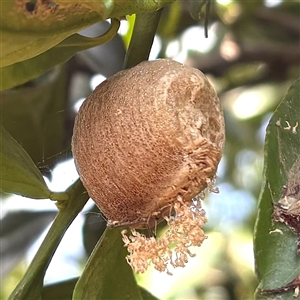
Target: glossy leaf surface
[{"x": 277, "y": 261}]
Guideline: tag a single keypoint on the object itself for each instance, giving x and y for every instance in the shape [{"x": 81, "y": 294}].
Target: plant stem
[
  {"x": 31, "y": 284},
  {"x": 142, "y": 38}
]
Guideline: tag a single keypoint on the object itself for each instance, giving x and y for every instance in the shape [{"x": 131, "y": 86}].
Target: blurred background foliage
[{"x": 251, "y": 56}]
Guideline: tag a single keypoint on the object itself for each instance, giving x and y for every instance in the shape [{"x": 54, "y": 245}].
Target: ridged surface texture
[{"x": 146, "y": 136}]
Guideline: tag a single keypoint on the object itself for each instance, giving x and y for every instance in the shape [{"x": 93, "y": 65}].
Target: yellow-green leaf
[
  {"x": 30, "y": 28},
  {"x": 24, "y": 71},
  {"x": 18, "y": 173}
]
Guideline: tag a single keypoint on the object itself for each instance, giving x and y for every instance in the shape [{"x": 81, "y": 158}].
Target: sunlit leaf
[
  {"x": 18, "y": 174},
  {"x": 107, "y": 275},
  {"x": 30, "y": 28},
  {"x": 24, "y": 71},
  {"x": 277, "y": 261}
]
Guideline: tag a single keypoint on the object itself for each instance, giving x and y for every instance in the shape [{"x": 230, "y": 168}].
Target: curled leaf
[{"x": 24, "y": 71}]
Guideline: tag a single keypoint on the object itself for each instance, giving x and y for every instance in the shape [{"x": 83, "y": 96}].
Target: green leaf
[
  {"x": 24, "y": 71},
  {"x": 275, "y": 245},
  {"x": 29, "y": 28},
  {"x": 19, "y": 230},
  {"x": 62, "y": 290},
  {"x": 35, "y": 41},
  {"x": 30, "y": 287},
  {"x": 107, "y": 275},
  {"x": 40, "y": 110},
  {"x": 147, "y": 295},
  {"x": 18, "y": 173}
]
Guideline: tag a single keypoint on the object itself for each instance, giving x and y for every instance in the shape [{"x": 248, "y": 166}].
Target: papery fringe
[{"x": 172, "y": 248}]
